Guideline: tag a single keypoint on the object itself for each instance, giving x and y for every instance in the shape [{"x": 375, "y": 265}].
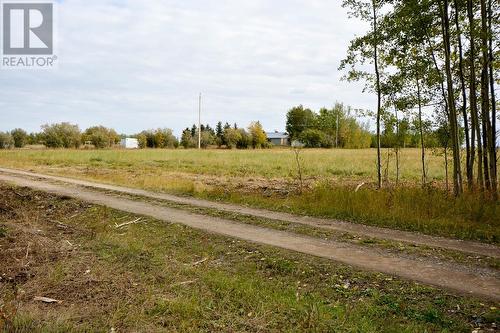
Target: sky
[{"x": 135, "y": 65}]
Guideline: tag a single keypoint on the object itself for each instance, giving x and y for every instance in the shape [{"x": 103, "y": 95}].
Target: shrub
[
  {"x": 159, "y": 138},
  {"x": 313, "y": 138},
  {"x": 6, "y": 140},
  {"x": 142, "y": 140},
  {"x": 207, "y": 139},
  {"x": 20, "y": 137},
  {"x": 259, "y": 137},
  {"x": 245, "y": 139},
  {"x": 164, "y": 138},
  {"x": 187, "y": 140},
  {"x": 101, "y": 137},
  {"x": 62, "y": 135},
  {"x": 231, "y": 137}
]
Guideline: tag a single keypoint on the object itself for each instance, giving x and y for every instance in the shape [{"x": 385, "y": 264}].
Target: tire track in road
[
  {"x": 457, "y": 278},
  {"x": 329, "y": 224}
]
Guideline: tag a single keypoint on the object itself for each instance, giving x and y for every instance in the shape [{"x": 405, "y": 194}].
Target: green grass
[
  {"x": 144, "y": 278},
  {"x": 267, "y": 178},
  {"x": 429, "y": 211},
  {"x": 3, "y": 231},
  {"x": 326, "y": 234}
]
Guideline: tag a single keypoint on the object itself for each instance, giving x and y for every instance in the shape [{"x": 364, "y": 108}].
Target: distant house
[
  {"x": 278, "y": 138},
  {"x": 129, "y": 143}
]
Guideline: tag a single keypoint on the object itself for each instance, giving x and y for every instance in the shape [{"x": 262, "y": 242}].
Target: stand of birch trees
[{"x": 438, "y": 53}]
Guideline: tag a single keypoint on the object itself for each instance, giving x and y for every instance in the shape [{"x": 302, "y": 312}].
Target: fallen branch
[
  {"x": 199, "y": 262},
  {"x": 118, "y": 226},
  {"x": 359, "y": 186},
  {"x": 46, "y": 300}
]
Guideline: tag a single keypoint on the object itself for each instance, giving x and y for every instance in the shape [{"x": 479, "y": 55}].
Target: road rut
[
  {"x": 329, "y": 224},
  {"x": 456, "y": 279}
]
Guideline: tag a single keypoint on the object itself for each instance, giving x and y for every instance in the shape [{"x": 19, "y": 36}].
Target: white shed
[{"x": 129, "y": 143}]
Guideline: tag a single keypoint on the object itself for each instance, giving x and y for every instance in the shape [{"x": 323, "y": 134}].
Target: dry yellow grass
[
  {"x": 268, "y": 178},
  {"x": 275, "y": 163}
]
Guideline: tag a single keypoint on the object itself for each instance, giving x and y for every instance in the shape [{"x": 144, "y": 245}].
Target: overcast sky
[{"x": 134, "y": 65}]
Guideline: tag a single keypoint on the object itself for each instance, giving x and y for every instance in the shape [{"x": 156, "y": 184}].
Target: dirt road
[
  {"x": 454, "y": 278},
  {"x": 329, "y": 224}
]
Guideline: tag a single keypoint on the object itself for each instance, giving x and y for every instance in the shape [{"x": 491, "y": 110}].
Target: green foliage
[
  {"x": 334, "y": 127},
  {"x": 313, "y": 138},
  {"x": 245, "y": 139},
  {"x": 142, "y": 140},
  {"x": 299, "y": 119},
  {"x": 164, "y": 138},
  {"x": 159, "y": 138},
  {"x": 100, "y": 136},
  {"x": 35, "y": 138},
  {"x": 232, "y": 137},
  {"x": 219, "y": 134},
  {"x": 433, "y": 56},
  {"x": 442, "y": 135},
  {"x": 6, "y": 140},
  {"x": 3, "y": 231},
  {"x": 62, "y": 135},
  {"x": 226, "y": 135},
  {"x": 207, "y": 138},
  {"x": 187, "y": 140},
  {"x": 20, "y": 137},
  {"x": 259, "y": 137}
]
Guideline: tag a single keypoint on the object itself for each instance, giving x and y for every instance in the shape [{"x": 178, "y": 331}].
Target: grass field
[
  {"x": 268, "y": 178},
  {"x": 158, "y": 277},
  {"x": 341, "y": 164}
]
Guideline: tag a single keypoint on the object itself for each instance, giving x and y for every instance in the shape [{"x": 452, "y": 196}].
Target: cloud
[{"x": 133, "y": 65}]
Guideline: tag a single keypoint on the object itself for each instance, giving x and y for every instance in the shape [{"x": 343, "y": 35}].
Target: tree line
[
  {"x": 61, "y": 135},
  {"x": 336, "y": 127},
  {"x": 439, "y": 54},
  {"x": 339, "y": 127},
  {"x": 327, "y": 128},
  {"x": 226, "y": 136},
  {"x": 66, "y": 135}
]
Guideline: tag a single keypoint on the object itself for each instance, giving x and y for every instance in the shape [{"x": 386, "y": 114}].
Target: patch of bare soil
[{"x": 42, "y": 257}]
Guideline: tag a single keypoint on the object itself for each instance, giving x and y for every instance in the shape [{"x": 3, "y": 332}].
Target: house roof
[{"x": 277, "y": 135}]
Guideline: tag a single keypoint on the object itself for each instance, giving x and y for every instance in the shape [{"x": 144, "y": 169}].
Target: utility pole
[{"x": 199, "y": 123}]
